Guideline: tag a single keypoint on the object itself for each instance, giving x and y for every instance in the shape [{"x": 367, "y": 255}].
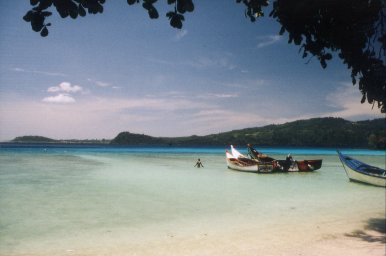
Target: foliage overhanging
[{"x": 353, "y": 29}]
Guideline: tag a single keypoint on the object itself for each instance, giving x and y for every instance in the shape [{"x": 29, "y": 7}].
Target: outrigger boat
[
  {"x": 237, "y": 161},
  {"x": 287, "y": 165},
  {"x": 362, "y": 172}
]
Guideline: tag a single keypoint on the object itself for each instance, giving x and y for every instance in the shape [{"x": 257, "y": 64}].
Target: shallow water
[{"x": 60, "y": 200}]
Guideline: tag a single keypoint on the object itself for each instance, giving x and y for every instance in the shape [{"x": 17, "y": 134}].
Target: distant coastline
[
  {"x": 315, "y": 132},
  {"x": 40, "y": 139}
]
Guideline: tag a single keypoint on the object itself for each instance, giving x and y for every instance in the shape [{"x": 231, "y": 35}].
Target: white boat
[
  {"x": 361, "y": 172},
  {"x": 236, "y": 153},
  {"x": 240, "y": 162},
  {"x": 239, "y": 165}
]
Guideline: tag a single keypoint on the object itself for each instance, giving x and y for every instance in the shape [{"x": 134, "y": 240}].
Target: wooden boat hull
[
  {"x": 356, "y": 171},
  {"x": 299, "y": 166},
  {"x": 247, "y": 165},
  {"x": 286, "y": 165},
  {"x": 234, "y": 164},
  {"x": 309, "y": 165}
]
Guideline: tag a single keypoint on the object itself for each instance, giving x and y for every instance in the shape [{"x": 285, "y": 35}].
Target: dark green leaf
[
  {"x": 44, "y": 32},
  {"x": 290, "y": 38},
  {"x": 323, "y": 63},
  {"x": 81, "y": 10},
  {"x": 44, "y": 4},
  {"x": 282, "y": 30},
  {"x": 176, "y": 22},
  {"x": 170, "y": 15},
  {"x": 153, "y": 13},
  {"x": 146, "y": 5},
  {"x": 73, "y": 13},
  {"x": 298, "y": 40},
  {"x": 63, "y": 13},
  {"x": 100, "y": 8},
  {"x": 37, "y": 22},
  {"x": 328, "y": 56},
  {"x": 189, "y": 6},
  {"x": 46, "y": 14},
  {"x": 28, "y": 16},
  {"x": 181, "y": 6},
  {"x": 181, "y": 17}
]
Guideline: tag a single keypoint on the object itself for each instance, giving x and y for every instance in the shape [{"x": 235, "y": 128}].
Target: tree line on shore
[{"x": 315, "y": 132}]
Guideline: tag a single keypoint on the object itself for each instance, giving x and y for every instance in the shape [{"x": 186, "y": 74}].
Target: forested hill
[
  {"x": 33, "y": 139},
  {"x": 316, "y": 132},
  {"x": 41, "y": 139}
]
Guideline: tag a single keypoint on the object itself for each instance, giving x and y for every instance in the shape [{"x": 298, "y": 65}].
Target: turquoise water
[
  {"x": 56, "y": 200},
  {"x": 89, "y": 149}
]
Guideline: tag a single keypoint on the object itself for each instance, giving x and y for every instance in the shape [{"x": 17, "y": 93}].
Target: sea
[{"x": 105, "y": 200}]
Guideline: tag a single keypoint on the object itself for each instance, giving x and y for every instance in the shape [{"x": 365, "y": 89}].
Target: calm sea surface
[{"x": 63, "y": 199}]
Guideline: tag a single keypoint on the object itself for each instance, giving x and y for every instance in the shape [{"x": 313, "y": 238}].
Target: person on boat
[
  {"x": 199, "y": 164},
  {"x": 288, "y": 162},
  {"x": 254, "y": 154}
]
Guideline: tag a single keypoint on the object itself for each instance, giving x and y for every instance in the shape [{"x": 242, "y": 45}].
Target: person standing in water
[{"x": 199, "y": 164}]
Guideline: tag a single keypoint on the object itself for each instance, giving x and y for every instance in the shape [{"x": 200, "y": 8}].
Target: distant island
[
  {"x": 41, "y": 139},
  {"x": 315, "y": 132}
]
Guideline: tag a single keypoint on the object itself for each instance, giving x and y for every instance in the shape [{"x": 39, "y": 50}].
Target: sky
[{"x": 99, "y": 75}]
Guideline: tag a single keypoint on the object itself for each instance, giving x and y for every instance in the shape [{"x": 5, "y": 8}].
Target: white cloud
[
  {"x": 218, "y": 95},
  {"x": 60, "y": 98},
  {"x": 102, "y": 84},
  {"x": 64, "y": 90},
  {"x": 38, "y": 72},
  {"x": 180, "y": 34},
  {"x": 346, "y": 99},
  {"x": 65, "y": 87},
  {"x": 99, "y": 83},
  {"x": 206, "y": 62},
  {"x": 265, "y": 41},
  {"x": 200, "y": 62},
  {"x": 226, "y": 95},
  {"x": 248, "y": 84}
]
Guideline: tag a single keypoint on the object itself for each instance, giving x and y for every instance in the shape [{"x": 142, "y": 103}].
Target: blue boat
[{"x": 361, "y": 172}]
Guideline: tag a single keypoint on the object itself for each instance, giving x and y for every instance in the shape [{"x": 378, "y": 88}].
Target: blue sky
[{"x": 96, "y": 76}]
